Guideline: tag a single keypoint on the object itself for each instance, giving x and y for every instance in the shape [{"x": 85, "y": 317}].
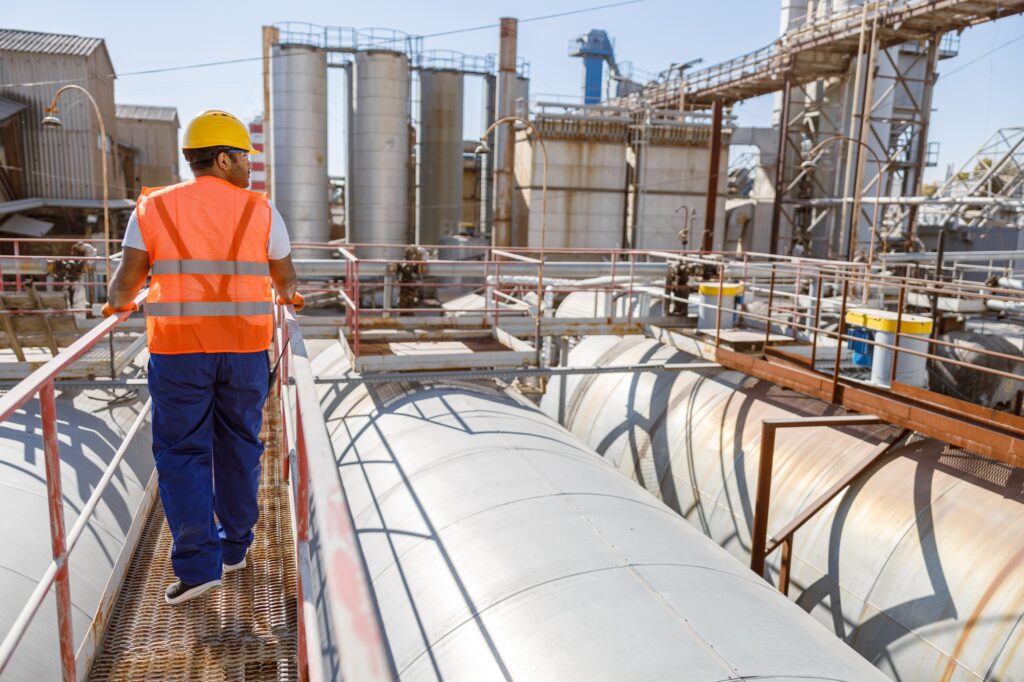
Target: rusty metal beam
[
  {"x": 759, "y": 532},
  {"x": 714, "y": 161},
  {"x": 958, "y": 428},
  {"x": 784, "y": 537}
]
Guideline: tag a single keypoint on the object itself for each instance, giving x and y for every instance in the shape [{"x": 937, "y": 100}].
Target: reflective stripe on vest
[
  {"x": 210, "y": 289},
  {"x": 208, "y": 309},
  {"x": 210, "y": 267}
]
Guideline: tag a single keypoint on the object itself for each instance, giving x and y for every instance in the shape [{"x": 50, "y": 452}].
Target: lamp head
[
  {"x": 52, "y": 121},
  {"x": 482, "y": 148}
]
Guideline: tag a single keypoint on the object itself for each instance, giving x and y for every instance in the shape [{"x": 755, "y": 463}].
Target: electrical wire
[
  {"x": 982, "y": 56},
  {"x": 540, "y": 18},
  {"x": 244, "y": 60}
]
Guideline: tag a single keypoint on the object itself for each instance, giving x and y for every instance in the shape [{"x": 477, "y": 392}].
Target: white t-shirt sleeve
[
  {"x": 278, "y": 246},
  {"x": 133, "y": 234}
]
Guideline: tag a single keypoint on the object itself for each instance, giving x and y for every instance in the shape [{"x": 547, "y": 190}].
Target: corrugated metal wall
[
  {"x": 63, "y": 163},
  {"x": 156, "y": 161}
]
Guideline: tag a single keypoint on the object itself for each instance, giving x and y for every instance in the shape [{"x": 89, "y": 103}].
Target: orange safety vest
[{"x": 210, "y": 285}]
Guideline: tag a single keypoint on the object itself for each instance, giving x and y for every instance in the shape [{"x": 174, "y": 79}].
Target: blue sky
[{"x": 970, "y": 103}]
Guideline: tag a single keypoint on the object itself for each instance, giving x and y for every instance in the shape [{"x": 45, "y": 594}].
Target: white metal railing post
[{"x": 41, "y": 382}]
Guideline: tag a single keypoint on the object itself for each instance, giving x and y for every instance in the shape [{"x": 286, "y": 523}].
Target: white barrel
[
  {"x": 707, "y": 314},
  {"x": 911, "y": 369}
]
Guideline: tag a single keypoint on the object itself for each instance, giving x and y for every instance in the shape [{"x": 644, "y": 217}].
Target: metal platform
[
  {"x": 247, "y": 630},
  {"x": 94, "y": 363}
]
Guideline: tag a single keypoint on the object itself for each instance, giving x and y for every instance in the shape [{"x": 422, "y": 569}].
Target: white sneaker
[{"x": 230, "y": 568}]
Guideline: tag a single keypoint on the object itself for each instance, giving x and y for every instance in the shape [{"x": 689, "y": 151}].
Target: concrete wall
[
  {"x": 586, "y": 193},
  {"x": 672, "y": 181}
]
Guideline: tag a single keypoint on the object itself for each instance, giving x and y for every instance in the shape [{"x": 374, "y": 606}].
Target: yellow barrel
[{"x": 885, "y": 321}]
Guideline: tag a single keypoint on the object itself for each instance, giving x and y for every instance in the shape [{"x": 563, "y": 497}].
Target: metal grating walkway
[{"x": 247, "y": 630}]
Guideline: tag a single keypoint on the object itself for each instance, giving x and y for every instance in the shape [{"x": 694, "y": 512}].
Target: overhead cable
[{"x": 243, "y": 60}]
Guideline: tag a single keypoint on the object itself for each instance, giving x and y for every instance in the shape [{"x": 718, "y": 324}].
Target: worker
[{"x": 210, "y": 245}]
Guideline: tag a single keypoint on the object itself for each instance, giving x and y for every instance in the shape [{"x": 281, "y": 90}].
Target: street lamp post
[
  {"x": 853, "y": 223},
  {"x": 482, "y": 148},
  {"x": 51, "y": 120}
]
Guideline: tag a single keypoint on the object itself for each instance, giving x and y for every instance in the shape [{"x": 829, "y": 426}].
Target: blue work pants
[{"x": 207, "y": 414}]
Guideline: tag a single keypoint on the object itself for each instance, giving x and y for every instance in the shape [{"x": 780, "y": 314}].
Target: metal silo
[
  {"x": 440, "y": 168},
  {"x": 379, "y": 183},
  {"x": 298, "y": 93}
]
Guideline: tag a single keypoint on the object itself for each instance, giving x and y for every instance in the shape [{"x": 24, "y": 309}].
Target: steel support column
[
  {"x": 714, "y": 160},
  {"x": 505, "y": 148},
  {"x": 780, "y": 166},
  {"x": 759, "y": 532}
]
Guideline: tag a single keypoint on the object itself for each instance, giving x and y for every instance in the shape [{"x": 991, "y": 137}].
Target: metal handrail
[
  {"x": 41, "y": 382},
  {"x": 357, "y": 627}
]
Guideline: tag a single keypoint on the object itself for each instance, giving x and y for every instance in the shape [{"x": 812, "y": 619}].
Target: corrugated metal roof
[
  {"x": 145, "y": 112},
  {"x": 47, "y": 43},
  {"x": 9, "y": 108}
]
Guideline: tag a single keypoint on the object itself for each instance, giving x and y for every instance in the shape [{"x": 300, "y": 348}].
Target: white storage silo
[
  {"x": 440, "y": 162},
  {"x": 298, "y": 97},
  {"x": 378, "y": 183}
]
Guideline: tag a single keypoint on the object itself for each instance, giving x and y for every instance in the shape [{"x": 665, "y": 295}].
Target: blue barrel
[{"x": 862, "y": 351}]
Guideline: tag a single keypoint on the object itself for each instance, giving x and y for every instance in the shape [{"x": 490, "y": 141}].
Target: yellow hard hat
[{"x": 215, "y": 128}]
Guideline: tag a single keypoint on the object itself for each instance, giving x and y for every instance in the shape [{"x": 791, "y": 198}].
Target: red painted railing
[{"x": 41, "y": 383}]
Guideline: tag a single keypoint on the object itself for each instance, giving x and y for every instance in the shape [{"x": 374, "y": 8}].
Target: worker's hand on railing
[
  {"x": 109, "y": 310},
  {"x": 297, "y": 300}
]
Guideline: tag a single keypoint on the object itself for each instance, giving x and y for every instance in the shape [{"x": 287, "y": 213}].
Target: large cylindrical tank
[
  {"x": 499, "y": 547},
  {"x": 919, "y": 566},
  {"x": 298, "y": 100},
  {"x": 379, "y": 182},
  {"x": 91, "y": 426},
  {"x": 440, "y": 162}
]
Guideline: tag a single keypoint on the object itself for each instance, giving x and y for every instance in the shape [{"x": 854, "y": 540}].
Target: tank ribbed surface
[
  {"x": 919, "y": 566},
  {"x": 499, "y": 547}
]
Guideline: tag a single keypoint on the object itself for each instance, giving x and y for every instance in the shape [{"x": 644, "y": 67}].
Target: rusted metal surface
[
  {"x": 956, "y": 428},
  {"x": 714, "y": 156},
  {"x": 505, "y": 147},
  {"x": 246, "y": 630},
  {"x": 917, "y": 564},
  {"x": 762, "y": 501}
]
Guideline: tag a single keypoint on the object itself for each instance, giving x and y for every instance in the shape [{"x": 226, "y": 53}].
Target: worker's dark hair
[{"x": 204, "y": 157}]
